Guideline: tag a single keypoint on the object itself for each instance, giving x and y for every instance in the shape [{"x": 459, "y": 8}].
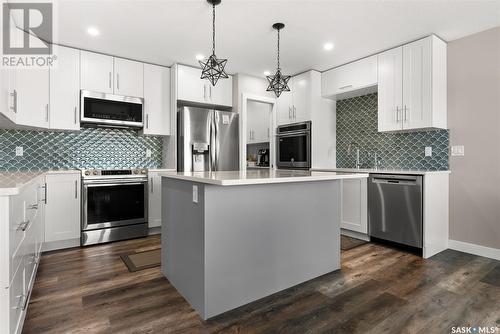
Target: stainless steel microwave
[
  {"x": 293, "y": 146},
  {"x": 108, "y": 110}
]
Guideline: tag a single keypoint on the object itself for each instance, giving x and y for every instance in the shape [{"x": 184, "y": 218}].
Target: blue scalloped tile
[
  {"x": 88, "y": 148},
  {"x": 357, "y": 122}
]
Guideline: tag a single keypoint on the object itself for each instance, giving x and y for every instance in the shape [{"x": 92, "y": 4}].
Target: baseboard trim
[
  {"x": 492, "y": 253},
  {"x": 154, "y": 230},
  {"x": 61, "y": 244},
  {"x": 356, "y": 235}
]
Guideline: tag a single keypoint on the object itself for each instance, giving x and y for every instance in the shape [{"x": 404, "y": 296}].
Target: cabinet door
[
  {"x": 284, "y": 108},
  {"x": 129, "y": 77},
  {"x": 189, "y": 85},
  {"x": 390, "y": 90},
  {"x": 65, "y": 90},
  {"x": 154, "y": 200},
  {"x": 157, "y": 100},
  {"x": 355, "y": 205},
  {"x": 301, "y": 93},
  {"x": 8, "y": 93},
  {"x": 62, "y": 211},
  {"x": 417, "y": 85},
  {"x": 96, "y": 72},
  {"x": 222, "y": 93},
  {"x": 32, "y": 87},
  {"x": 258, "y": 121}
]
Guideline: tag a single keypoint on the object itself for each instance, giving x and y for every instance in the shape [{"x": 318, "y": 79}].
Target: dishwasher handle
[{"x": 399, "y": 179}]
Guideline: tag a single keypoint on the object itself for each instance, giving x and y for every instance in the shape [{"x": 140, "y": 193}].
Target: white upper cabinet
[
  {"x": 154, "y": 199},
  {"x": 128, "y": 77},
  {"x": 157, "y": 100},
  {"x": 8, "y": 92},
  {"x": 191, "y": 88},
  {"x": 96, "y": 72},
  {"x": 284, "y": 107},
  {"x": 350, "y": 80},
  {"x": 297, "y": 105},
  {"x": 258, "y": 122},
  {"x": 65, "y": 90},
  {"x": 412, "y": 86},
  {"x": 62, "y": 210},
  {"x": 390, "y": 88}
]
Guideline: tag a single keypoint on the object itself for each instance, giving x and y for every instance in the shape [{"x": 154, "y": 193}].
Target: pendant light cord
[
  {"x": 278, "y": 49},
  {"x": 213, "y": 30}
]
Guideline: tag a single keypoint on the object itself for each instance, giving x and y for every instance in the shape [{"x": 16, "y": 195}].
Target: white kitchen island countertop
[
  {"x": 264, "y": 176},
  {"x": 383, "y": 171},
  {"x": 11, "y": 183}
]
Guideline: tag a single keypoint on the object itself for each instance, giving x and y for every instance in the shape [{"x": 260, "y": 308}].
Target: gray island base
[{"x": 230, "y": 238}]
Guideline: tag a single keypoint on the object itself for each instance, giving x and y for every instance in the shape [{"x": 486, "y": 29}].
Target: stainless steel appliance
[
  {"x": 395, "y": 208},
  {"x": 114, "y": 205},
  {"x": 263, "y": 158},
  {"x": 207, "y": 140},
  {"x": 108, "y": 110},
  {"x": 293, "y": 146}
]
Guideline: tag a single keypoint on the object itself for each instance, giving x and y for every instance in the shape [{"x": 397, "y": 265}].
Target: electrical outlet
[
  {"x": 19, "y": 151},
  {"x": 428, "y": 151},
  {"x": 457, "y": 151},
  {"x": 148, "y": 153},
  {"x": 195, "y": 194}
]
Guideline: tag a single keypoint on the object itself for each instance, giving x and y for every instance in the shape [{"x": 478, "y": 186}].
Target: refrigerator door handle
[
  {"x": 216, "y": 141},
  {"x": 213, "y": 136}
]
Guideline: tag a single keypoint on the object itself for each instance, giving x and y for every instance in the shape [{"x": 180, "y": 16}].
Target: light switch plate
[
  {"x": 19, "y": 151},
  {"x": 148, "y": 153},
  {"x": 428, "y": 151},
  {"x": 457, "y": 151},
  {"x": 195, "y": 194}
]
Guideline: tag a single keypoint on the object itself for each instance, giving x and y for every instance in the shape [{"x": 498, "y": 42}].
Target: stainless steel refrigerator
[{"x": 207, "y": 140}]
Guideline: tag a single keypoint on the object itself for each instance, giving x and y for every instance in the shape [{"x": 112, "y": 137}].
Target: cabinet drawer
[{"x": 17, "y": 300}]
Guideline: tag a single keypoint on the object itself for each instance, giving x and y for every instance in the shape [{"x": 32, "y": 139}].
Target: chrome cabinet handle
[
  {"x": 346, "y": 86},
  {"x": 21, "y": 305},
  {"x": 267, "y": 132},
  {"x": 210, "y": 91},
  {"x": 46, "y": 112},
  {"x": 294, "y": 113},
  {"x": 32, "y": 207},
  {"x": 289, "y": 112},
  {"x": 118, "y": 81},
  {"x": 205, "y": 92},
  {"x": 14, "y": 101},
  {"x": 76, "y": 189},
  {"x": 147, "y": 121},
  {"x": 109, "y": 79},
  {"x": 23, "y": 226},
  {"x": 152, "y": 185},
  {"x": 45, "y": 188},
  {"x": 75, "y": 114},
  {"x": 397, "y": 114}
]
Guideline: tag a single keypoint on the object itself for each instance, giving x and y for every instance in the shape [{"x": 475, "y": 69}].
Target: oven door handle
[
  {"x": 293, "y": 134},
  {"x": 92, "y": 185}
]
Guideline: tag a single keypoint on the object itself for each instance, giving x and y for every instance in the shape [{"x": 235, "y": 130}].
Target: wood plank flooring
[{"x": 378, "y": 290}]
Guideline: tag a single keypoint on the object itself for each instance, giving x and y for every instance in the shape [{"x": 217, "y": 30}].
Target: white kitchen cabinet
[
  {"x": 284, "y": 108},
  {"x": 258, "y": 122},
  {"x": 157, "y": 108},
  {"x": 154, "y": 199},
  {"x": 96, "y": 72},
  {"x": 350, "y": 80},
  {"x": 296, "y": 105},
  {"x": 62, "y": 209},
  {"x": 412, "y": 86},
  {"x": 128, "y": 76},
  {"x": 191, "y": 88},
  {"x": 65, "y": 90},
  {"x": 8, "y": 92},
  {"x": 32, "y": 90},
  {"x": 355, "y": 205}
]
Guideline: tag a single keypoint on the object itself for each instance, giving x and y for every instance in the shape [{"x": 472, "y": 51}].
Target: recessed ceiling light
[
  {"x": 328, "y": 46},
  {"x": 266, "y": 73},
  {"x": 93, "y": 31},
  {"x": 200, "y": 57}
]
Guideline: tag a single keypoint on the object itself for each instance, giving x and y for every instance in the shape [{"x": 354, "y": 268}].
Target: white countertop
[
  {"x": 263, "y": 176},
  {"x": 383, "y": 171},
  {"x": 11, "y": 183}
]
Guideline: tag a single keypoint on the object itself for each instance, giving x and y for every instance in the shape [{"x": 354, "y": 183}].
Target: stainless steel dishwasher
[{"x": 395, "y": 208}]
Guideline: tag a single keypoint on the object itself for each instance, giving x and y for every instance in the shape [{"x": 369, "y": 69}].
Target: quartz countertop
[
  {"x": 259, "y": 176},
  {"x": 382, "y": 171},
  {"x": 11, "y": 183}
]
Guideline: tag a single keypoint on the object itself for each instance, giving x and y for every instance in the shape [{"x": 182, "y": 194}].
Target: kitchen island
[{"x": 230, "y": 238}]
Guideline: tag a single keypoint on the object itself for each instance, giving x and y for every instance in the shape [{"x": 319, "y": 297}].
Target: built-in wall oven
[
  {"x": 114, "y": 205},
  {"x": 293, "y": 146}
]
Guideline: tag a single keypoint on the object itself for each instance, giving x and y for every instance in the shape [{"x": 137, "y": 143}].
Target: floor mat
[{"x": 142, "y": 260}]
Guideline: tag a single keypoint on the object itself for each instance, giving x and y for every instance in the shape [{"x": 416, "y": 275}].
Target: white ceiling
[{"x": 164, "y": 32}]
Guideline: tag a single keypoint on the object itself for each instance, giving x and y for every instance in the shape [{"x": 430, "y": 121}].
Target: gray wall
[{"x": 474, "y": 121}]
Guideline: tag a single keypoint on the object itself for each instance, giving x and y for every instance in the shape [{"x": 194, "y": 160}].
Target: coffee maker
[{"x": 263, "y": 158}]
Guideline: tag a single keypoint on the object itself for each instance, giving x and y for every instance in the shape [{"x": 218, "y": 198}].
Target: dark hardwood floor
[{"x": 378, "y": 290}]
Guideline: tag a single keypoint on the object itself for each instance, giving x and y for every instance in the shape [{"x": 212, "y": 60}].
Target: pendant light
[
  {"x": 278, "y": 82},
  {"x": 213, "y": 68}
]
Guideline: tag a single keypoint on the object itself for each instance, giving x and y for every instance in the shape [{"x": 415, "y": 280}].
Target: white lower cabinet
[
  {"x": 62, "y": 210},
  {"x": 154, "y": 199},
  {"x": 21, "y": 237},
  {"x": 355, "y": 205}
]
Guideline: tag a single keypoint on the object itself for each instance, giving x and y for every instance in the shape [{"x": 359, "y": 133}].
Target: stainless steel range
[{"x": 114, "y": 205}]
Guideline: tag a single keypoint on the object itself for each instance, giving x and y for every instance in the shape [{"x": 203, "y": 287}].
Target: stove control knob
[
  {"x": 94, "y": 172},
  {"x": 143, "y": 171},
  {"x": 135, "y": 171},
  {"x": 87, "y": 173}
]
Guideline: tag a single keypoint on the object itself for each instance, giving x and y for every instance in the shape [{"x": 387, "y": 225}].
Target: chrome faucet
[{"x": 358, "y": 163}]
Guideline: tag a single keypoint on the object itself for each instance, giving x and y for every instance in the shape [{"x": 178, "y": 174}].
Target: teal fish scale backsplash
[
  {"x": 87, "y": 148},
  {"x": 357, "y": 124}
]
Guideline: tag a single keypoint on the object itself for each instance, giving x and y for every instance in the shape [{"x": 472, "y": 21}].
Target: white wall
[{"x": 243, "y": 83}]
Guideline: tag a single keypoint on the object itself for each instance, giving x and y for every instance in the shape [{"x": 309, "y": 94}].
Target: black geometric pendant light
[
  {"x": 278, "y": 82},
  {"x": 213, "y": 68}
]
